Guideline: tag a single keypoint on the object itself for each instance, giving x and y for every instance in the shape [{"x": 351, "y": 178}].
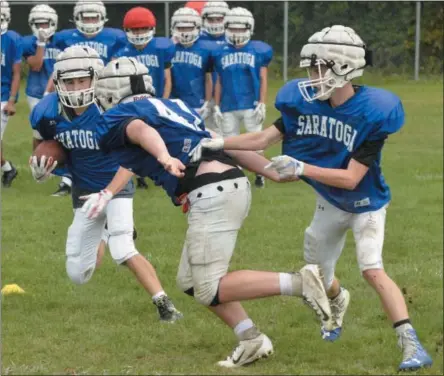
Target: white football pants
[
  {"x": 4, "y": 119},
  {"x": 32, "y": 102},
  {"x": 216, "y": 214},
  {"x": 325, "y": 238},
  {"x": 84, "y": 237},
  {"x": 233, "y": 120}
]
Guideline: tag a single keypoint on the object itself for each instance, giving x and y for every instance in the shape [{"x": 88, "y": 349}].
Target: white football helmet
[
  {"x": 5, "y": 16},
  {"x": 43, "y": 13},
  {"x": 123, "y": 80},
  {"x": 338, "y": 51},
  {"x": 214, "y": 9},
  {"x": 239, "y": 18},
  {"x": 186, "y": 17},
  {"x": 89, "y": 8},
  {"x": 76, "y": 62}
]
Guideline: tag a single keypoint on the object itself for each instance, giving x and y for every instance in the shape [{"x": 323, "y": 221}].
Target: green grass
[{"x": 109, "y": 326}]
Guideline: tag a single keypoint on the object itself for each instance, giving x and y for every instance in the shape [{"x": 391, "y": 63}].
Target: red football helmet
[
  {"x": 139, "y": 18},
  {"x": 196, "y": 5}
]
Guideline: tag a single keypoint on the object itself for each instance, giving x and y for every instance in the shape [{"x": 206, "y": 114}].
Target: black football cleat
[
  {"x": 9, "y": 176},
  {"x": 259, "y": 181}
]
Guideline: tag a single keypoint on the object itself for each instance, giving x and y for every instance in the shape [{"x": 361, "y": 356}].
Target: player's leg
[
  {"x": 9, "y": 172},
  {"x": 84, "y": 236},
  {"x": 231, "y": 123},
  {"x": 251, "y": 125},
  {"x": 324, "y": 240},
  {"x": 217, "y": 212},
  {"x": 119, "y": 213},
  {"x": 368, "y": 230},
  {"x": 32, "y": 102}
]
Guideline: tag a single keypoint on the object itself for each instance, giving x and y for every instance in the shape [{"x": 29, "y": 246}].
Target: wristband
[{"x": 41, "y": 44}]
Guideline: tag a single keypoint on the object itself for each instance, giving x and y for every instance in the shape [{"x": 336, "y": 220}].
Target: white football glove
[
  {"x": 206, "y": 143},
  {"x": 287, "y": 167},
  {"x": 42, "y": 37},
  {"x": 218, "y": 117},
  {"x": 41, "y": 171},
  {"x": 205, "y": 110},
  {"x": 95, "y": 203},
  {"x": 260, "y": 113}
]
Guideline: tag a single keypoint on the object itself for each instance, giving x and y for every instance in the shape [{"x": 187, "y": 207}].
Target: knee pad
[
  {"x": 207, "y": 293},
  {"x": 76, "y": 273},
  {"x": 121, "y": 246}
]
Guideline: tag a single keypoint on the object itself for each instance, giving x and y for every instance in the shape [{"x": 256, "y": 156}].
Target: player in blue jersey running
[
  {"x": 137, "y": 129},
  {"x": 11, "y": 48},
  {"x": 333, "y": 133},
  {"x": 241, "y": 87},
  {"x": 191, "y": 65},
  {"x": 40, "y": 53},
  {"x": 70, "y": 116},
  {"x": 154, "y": 52},
  {"x": 213, "y": 21}
]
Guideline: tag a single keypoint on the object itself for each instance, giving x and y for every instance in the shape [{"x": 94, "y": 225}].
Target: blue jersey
[
  {"x": 92, "y": 170},
  {"x": 239, "y": 74},
  {"x": 11, "y": 46},
  {"x": 180, "y": 127},
  {"x": 318, "y": 134},
  {"x": 106, "y": 43},
  {"x": 156, "y": 56},
  {"x": 217, "y": 41},
  {"x": 190, "y": 65},
  {"x": 37, "y": 81}
]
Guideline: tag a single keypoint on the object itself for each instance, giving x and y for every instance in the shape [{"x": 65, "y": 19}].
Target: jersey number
[{"x": 169, "y": 114}]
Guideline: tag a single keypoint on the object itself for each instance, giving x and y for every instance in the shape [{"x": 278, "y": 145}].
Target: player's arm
[
  {"x": 350, "y": 177},
  {"x": 15, "y": 86},
  {"x": 168, "y": 82},
  {"x": 208, "y": 86},
  {"x": 120, "y": 180},
  {"x": 50, "y": 85},
  {"x": 263, "y": 84},
  {"x": 217, "y": 91},
  {"x": 36, "y": 61},
  {"x": 140, "y": 133}
]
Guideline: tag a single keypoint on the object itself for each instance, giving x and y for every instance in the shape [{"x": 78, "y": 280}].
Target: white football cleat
[
  {"x": 248, "y": 351},
  {"x": 338, "y": 308},
  {"x": 315, "y": 296}
]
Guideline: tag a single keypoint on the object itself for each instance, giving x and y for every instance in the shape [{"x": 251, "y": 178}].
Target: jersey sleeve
[
  {"x": 18, "y": 49},
  {"x": 390, "y": 124},
  {"x": 119, "y": 53},
  {"x": 267, "y": 54},
  {"x": 43, "y": 128},
  {"x": 119, "y": 44},
  {"x": 29, "y": 47},
  {"x": 169, "y": 51}
]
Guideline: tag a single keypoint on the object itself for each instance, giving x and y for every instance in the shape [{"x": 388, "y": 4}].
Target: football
[{"x": 51, "y": 148}]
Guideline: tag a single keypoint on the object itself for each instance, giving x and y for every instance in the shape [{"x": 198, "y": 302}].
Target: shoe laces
[{"x": 408, "y": 341}]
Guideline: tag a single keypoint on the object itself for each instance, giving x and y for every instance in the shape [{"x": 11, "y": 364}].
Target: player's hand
[
  {"x": 173, "y": 165},
  {"x": 212, "y": 143},
  {"x": 95, "y": 203},
  {"x": 260, "y": 113},
  {"x": 42, "y": 171},
  {"x": 218, "y": 117},
  {"x": 9, "y": 109},
  {"x": 204, "y": 111},
  {"x": 42, "y": 36},
  {"x": 287, "y": 167}
]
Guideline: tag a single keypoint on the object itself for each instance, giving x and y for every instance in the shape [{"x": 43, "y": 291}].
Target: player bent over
[
  {"x": 333, "y": 133},
  {"x": 70, "y": 117},
  {"x": 138, "y": 132}
]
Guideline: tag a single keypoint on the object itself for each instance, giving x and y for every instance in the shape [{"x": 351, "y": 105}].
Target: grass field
[{"x": 109, "y": 326}]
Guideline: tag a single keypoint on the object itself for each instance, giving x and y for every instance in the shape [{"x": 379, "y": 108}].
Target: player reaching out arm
[
  {"x": 333, "y": 133},
  {"x": 70, "y": 116},
  {"x": 218, "y": 197}
]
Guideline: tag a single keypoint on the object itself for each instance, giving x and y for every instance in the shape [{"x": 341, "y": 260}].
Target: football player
[
  {"x": 154, "y": 52},
  {"x": 241, "y": 87},
  {"x": 40, "y": 54},
  {"x": 333, "y": 133},
  {"x": 137, "y": 132},
  {"x": 213, "y": 17},
  {"x": 191, "y": 65},
  {"x": 11, "y": 47},
  {"x": 70, "y": 117}
]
